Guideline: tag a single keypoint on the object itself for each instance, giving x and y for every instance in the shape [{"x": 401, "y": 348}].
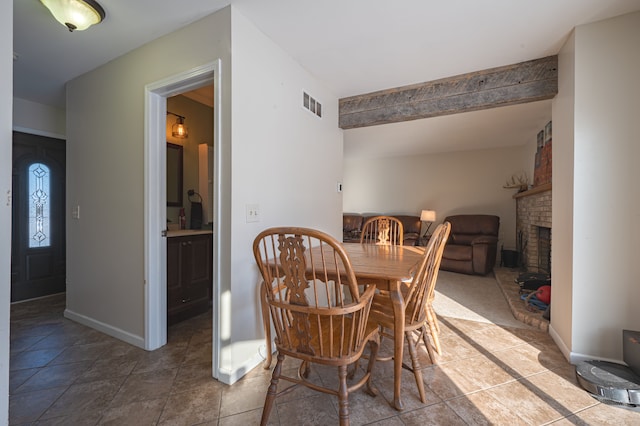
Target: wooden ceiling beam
[{"x": 528, "y": 81}]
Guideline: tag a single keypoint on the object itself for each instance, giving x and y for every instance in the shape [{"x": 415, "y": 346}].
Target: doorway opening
[
  {"x": 189, "y": 204},
  {"x": 156, "y": 95}
]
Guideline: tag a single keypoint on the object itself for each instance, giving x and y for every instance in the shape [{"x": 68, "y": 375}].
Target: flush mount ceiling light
[
  {"x": 179, "y": 130},
  {"x": 75, "y": 14}
]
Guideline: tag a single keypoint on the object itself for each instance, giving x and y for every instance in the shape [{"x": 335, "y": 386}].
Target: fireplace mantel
[{"x": 534, "y": 190}]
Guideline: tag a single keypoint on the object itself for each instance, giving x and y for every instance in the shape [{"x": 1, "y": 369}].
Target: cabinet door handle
[{"x": 186, "y": 300}]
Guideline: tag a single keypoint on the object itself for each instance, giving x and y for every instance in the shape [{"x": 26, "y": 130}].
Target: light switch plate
[{"x": 253, "y": 213}]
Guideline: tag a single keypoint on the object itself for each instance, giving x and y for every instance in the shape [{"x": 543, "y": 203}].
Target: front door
[{"x": 38, "y": 222}]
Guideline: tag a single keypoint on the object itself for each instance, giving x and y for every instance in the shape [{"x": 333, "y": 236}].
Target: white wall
[
  {"x": 449, "y": 183},
  {"x": 606, "y": 201},
  {"x": 6, "y": 91},
  {"x": 105, "y": 172},
  {"x": 38, "y": 119},
  {"x": 284, "y": 159}
]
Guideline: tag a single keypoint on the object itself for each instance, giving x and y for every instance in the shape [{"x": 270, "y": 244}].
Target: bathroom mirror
[{"x": 174, "y": 175}]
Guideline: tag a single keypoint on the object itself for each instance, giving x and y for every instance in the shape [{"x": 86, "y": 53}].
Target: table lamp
[{"x": 427, "y": 216}]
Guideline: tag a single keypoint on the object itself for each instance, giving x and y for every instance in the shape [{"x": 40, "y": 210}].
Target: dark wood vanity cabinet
[{"x": 189, "y": 276}]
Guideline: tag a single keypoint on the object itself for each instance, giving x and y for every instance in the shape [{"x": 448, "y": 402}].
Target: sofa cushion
[
  {"x": 411, "y": 227},
  {"x": 410, "y": 224}
]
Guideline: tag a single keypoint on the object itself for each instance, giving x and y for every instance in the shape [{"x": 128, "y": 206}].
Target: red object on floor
[{"x": 544, "y": 294}]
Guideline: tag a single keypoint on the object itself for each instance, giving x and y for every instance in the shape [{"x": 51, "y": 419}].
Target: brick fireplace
[{"x": 533, "y": 226}]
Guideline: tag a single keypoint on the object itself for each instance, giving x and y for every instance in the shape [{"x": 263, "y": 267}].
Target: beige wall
[
  {"x": 449, "y": 183},
  {"x": 599, "y": 287},
  {"x": 268, "y": 162},
  {"x": 105, "y": 172}
]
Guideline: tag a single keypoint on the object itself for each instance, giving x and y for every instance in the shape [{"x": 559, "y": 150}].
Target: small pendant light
[{"x": 179, "y": 130}]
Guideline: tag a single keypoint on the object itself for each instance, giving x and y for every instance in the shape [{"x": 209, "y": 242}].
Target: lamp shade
[
  {"x": 428, "y": 216},
  {"x": 75, "y": 14}
]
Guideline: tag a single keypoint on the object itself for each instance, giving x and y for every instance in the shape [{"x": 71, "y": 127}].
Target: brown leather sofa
[
  {"x": 411, "y": 226},
  {"x": 352, "y": 227},
  {"x": 472, "y": 245}
]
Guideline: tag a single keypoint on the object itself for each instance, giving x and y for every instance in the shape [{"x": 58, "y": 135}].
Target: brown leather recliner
[{"x": 472, "y": 244}]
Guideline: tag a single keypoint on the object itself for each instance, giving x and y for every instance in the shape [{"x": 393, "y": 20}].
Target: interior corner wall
[
  {"x": 605, "y": 290},
  {"x": 562, "y": 199},
  {"x": 463, "y": 182},
  {"x": 284, "y": 159},
  {"x": 105, "y": 172},
  {"x": 6, "y": 91}
]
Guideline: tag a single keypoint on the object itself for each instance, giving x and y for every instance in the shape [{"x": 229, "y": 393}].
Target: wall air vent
[{"x": 310, "y": 104}]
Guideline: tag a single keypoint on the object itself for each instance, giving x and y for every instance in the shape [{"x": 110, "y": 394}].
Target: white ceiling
[{"x": 353, "y": 46}]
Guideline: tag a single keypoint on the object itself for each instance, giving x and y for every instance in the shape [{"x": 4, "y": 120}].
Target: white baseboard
[
  {"x": 578, "y": 357},
  {"x": 561, "y": 345},
  {"x": 575, "y": 357},
  {"x": 229, "y": 377},
  {"x": 105, "y": 328}
]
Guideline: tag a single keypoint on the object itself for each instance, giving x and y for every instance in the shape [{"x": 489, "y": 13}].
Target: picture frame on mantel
[{"x": 547, "y": 133}]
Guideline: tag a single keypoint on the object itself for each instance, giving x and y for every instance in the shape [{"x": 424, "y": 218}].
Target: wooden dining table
[{"x": 387, "y": 267}]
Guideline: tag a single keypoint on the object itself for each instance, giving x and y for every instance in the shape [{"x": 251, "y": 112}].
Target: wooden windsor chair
[
  {"x": 385, "y": 230},
  {"x": 318, "y": 312},
  {"x": 419, "y": 314}
]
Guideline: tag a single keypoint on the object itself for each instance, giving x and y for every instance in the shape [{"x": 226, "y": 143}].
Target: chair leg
[
  {"x": 374, "y": 345},
  {"x": 266, "y": 322},
  {"x": 425, "y": 338},
  {"x": 435, "y": 318},
  {"x": 343, "y": 396},
  {"x": 304, "y": 370},
  {"x": 434, "y": 328},
  {"x": 352, "y": 369},
  {"x": 272, "y": 391},
  {"x": 415, "y": 365}
]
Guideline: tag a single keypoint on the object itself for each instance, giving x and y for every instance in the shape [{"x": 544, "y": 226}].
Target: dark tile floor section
[{"x": 62, "y": 373}]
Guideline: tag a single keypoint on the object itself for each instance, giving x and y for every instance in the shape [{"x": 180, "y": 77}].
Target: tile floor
[{"x": 62, "y": 373}]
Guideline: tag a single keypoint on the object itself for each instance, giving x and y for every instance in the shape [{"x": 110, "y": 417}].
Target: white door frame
[{"x": 155, "y": 297}]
